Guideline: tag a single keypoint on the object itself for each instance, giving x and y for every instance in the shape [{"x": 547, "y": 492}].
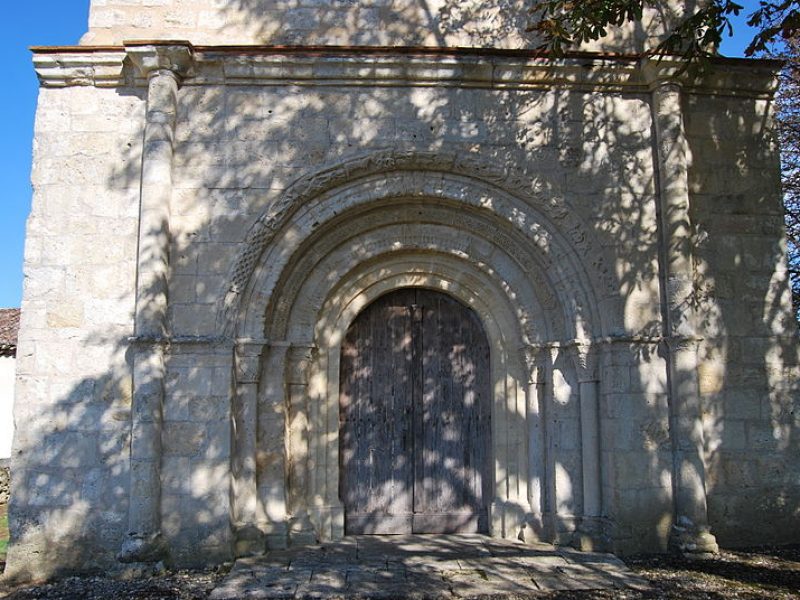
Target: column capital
[
  {"x": 531, "y": 358},
  {"x": 584, "y": 357},
  {"x": 298, "y": 358},
  {"x": 169, "y": 55},
  {"x": 247, "y": 361}
]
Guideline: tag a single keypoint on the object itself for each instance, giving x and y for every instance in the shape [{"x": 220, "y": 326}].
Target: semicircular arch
[{"x": 561, "y": 240}]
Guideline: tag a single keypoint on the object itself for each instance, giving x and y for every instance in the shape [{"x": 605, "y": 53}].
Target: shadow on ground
[{"x": 766, "y": 572}]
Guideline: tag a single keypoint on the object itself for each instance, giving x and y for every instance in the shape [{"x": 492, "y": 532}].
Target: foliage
[
  {"x": 696, "y": 36},
  {"x": 565, "y": 23},
  {"x": 3, "y": 533},
  {"x": 787, "y": 115}
]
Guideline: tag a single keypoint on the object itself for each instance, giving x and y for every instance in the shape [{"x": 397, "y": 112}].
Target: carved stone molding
[
  {"x": 535, "y": 266},
  {"x": 517, "y": 184},
  {"x": 61, "y": 66}
]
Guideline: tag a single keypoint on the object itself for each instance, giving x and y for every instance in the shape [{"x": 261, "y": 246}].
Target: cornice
[{"x": 402, "y": 67}]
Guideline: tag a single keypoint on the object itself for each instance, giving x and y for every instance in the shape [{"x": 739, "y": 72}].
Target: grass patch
[{"x": 3, "y": 533}]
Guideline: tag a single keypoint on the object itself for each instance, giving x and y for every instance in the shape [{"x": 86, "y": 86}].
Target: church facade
[{"x": 302, "y": 270}]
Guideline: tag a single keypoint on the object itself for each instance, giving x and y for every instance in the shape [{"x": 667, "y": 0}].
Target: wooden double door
[{"x": 415, "y": 417}]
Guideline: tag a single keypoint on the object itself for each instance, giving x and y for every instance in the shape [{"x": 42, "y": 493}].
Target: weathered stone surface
[
  {"x": 199, "y": 243},
  {"x": 477, "y": 567},
  {"x": 372, "y": 23}
]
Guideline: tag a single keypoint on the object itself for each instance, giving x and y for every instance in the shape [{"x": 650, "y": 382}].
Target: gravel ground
[{"x": 772, "y": 573}]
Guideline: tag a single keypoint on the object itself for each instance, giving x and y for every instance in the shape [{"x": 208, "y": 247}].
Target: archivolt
[{"x": 553, "y": 237}]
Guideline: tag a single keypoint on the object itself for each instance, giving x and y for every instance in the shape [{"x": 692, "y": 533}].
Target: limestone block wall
[
  {"x": 7, "y": 368},
  {"x": 749, "y": 374},
  {"x": 485, "y": 24},
  {"x": 70, "y": 456},
  {"x": 196, "y": 454},
  {"x": 238, "y": 148},
  {"x": 296, "y": 187}
]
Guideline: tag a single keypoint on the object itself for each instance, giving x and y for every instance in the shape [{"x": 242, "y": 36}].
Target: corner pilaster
[
  {"x": 164, "y": 64},
  {"x": 690, "y": 532}
]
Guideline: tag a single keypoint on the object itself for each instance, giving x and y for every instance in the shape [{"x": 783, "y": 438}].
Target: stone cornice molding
[{"x": 332, "y": 66}]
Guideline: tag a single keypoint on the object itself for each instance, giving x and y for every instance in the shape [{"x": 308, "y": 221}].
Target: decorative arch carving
[
  {"x": 500, "y": 242},
  {"x": 561, "y": 235}
]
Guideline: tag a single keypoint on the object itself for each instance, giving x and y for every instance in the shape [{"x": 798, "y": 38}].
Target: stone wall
[
  {"x": 485, "y": 24},
  {"x": 7, "y": 369},
  {"x": 207, "y": 222},
  {"x": 749, "y": 374},
  {"x": 70, "y": 460},
  {"x": 5, "y": 484}
]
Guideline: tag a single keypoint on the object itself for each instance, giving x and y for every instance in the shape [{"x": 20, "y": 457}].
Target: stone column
[
  {"x": 301, "y": 531},
  {"x": 690, "y": 532},
  {"x": 249, "y": 538},
  {"x": 535, "y": 425},
  {"x": 271, "y": 451},
  {"x": 590, "y": 535},
  {"x": 163, "y": 65}
]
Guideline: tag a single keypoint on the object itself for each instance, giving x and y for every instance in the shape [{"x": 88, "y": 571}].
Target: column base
[
  {"x": 591, "y": 536},
  {"x": 301, "y": 530},
  {"x": 327, "y": 521},
  {"x": 143, "y": 549},
  {"x": 508, "y": 520},
  {"x": 535, "y": 530},
  {"x": 692, "y": 541},
  {"x": 248, "y": 540}
]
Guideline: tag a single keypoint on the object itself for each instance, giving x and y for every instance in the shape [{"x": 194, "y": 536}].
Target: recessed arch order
[{"x": 499, "y": 243}]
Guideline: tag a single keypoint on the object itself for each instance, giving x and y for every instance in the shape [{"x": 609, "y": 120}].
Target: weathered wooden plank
[
  {"x": 376, "y": 480},
  {"x": 455, "y": 394},
  {"x": 415, "y": 417}
]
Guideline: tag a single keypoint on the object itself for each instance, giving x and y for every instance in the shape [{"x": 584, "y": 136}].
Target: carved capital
[
  {"x": 247, "y": 361},
  {"x": 531, "y": 357},
  {"x": 584, "y": 355},
  {"x": 152, "y": 57},
  {"x": 297, "y": 360}
]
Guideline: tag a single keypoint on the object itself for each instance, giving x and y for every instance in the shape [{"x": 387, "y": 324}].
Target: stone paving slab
[{"x": 416, "y": 566}]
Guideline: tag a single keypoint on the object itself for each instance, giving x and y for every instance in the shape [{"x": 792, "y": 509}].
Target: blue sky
[
  {"x": 27, "y": 23},
  {"x": 57, "y": 23}
]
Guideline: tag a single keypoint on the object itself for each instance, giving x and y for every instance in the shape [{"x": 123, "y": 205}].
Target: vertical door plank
[
  {"x": 376, "y": 477},
  {"x": 453, "y": 420}
]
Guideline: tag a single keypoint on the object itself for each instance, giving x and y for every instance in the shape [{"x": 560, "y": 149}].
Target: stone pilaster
[
  {"x": 163, "y": 65},
  {"x": 590, "y": 532},
  {"x": 271, "y": 451},
  {"x": 690, "y": 532}
]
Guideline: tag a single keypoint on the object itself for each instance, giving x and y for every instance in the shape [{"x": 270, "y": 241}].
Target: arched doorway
[{"x": 415, "y": 417}]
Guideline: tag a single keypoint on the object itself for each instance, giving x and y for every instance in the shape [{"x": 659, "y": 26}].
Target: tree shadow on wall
[{"x": 237, "y": 150}]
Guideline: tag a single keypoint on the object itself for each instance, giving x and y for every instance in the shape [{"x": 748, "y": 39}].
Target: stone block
[{"x": 184, "y": 439}]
